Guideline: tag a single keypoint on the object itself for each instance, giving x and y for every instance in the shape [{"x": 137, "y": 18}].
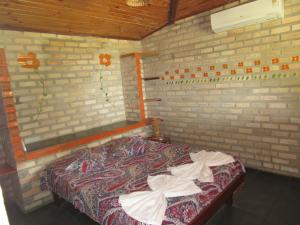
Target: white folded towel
[
  {"x": 200, "y": 168},
  {"x": 212, "y": 158},
  {"x": 3, "y": 214},
  {"x": 192, "y": 171},
  {"x": 172, "y": 186},
  {"x": 150, "y": 206},
  {"x": 145, "y": 206}
]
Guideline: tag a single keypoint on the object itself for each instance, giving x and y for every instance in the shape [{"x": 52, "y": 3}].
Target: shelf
[
  {"x": 142, "y": 54},
  {"x": 151, "y": 78},
  {"x": 76, "y": 136},
  {"x": 6, "y": 170},
  {"x": 152, "y": 100},
  {"x": 63, "y": 143}
]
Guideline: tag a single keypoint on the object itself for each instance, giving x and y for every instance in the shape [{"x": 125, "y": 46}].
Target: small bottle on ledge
[{"x": 155, "y": 122}]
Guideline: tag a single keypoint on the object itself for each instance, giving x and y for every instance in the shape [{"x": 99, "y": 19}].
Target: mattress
[{"x": 92, "y": 179}]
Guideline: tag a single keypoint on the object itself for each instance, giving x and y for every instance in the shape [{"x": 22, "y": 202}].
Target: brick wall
[
  {"x": 70, "y": 66},
  {"x": 29, "y": 195},
  {"x": 74, "y": 101},
  {"x": 130, "y": 88},
  {"x": 236, "y": 91},
  {"x": 6, "y": 156}
]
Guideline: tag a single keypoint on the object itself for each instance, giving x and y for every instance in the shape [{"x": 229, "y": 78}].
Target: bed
[{"x": 93, "y": 179}]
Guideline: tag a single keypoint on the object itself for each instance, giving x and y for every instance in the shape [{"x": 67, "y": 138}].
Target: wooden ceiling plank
[
  {"x": 150, "y": 13},
  {"x": 58, "y": 27},
  {"x": 58, "y": 23},
  {"x": 61, "y": 12},
  {"x": 77, "y": 32},
  {"x": 101, "y": 18},
  {"x": 20, "y": 18},
  {"x": 196, "y": 7},
  {"x": 69, "y": 17}
]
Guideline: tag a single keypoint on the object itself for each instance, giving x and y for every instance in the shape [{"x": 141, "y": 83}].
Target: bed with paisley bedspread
[{"x": 92, "y": 179}]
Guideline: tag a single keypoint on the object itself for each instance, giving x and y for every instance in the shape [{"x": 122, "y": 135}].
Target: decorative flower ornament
[
  {"x": 105, "y": 59},
  {"x": 29, "y": 61}
]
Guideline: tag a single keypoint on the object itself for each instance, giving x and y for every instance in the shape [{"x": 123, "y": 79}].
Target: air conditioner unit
[{"x": 247, "y": 14}]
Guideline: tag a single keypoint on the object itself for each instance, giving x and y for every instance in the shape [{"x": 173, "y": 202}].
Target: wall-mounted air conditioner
[{"x": 247, "y": 14}]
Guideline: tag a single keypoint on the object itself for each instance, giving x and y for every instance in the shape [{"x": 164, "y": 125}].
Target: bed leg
[
  {"x": 57, "y": 200},
  {"x": 229, "y": 201}
]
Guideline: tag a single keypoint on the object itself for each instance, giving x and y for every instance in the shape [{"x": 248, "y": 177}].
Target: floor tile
[{"x": 235, "y": 216}]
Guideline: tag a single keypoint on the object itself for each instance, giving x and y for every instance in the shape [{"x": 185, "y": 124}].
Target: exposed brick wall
[
  {"x": 29, "y": 195},
  {"x": 70, "y": 65},
  {"x": 253, "y": 113},
  {"x": 6, "y": 155},
  {"x": 130, "y": 88}
]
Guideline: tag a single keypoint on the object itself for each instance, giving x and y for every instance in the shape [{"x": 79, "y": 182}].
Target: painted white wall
[{"x": 3, "y": 214}]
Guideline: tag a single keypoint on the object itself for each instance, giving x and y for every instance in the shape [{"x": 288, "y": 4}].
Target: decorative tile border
[
  {"x": 246, "y": 68},
  {"x": 233, "y": 78}
]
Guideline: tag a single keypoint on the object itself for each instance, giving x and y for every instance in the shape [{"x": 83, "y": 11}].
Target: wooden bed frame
[{"x": 226, "y": 196}]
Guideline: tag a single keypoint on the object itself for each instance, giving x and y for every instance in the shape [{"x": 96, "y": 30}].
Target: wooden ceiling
[{"x": 102, "y": 18}]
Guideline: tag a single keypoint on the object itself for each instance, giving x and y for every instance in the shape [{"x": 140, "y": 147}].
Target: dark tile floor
[{"x": 265, "y": 199}]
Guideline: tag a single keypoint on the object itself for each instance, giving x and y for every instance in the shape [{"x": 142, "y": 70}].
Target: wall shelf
[
  {"x": 142, "y": 54},
  {"x": 51, "y": 146},
  {"x": 152, "y": 100},
  {"x": 151, "y": 78}
]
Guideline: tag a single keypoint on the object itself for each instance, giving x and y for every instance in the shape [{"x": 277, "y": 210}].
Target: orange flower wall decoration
[
  {"x": 29, "y": 61},
  {"x": 105, "y": 59}
]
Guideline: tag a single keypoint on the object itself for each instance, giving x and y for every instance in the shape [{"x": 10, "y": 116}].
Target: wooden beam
[{"x": 172, "y": 11}]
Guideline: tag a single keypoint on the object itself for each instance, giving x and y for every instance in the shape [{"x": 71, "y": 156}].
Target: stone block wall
[
  {"x": 74, "y": 102},
  {"x": 29, "y": 195},
  {"x": 236, "y": 91},
  {"x": 71, "y": 70},
  {"x": 130, "y": 88}
]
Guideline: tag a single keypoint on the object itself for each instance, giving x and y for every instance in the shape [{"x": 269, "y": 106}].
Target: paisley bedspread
[{"x": 93, "y": 179}]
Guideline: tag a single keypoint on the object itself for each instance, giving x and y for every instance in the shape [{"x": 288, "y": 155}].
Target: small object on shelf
[
  {"x": 162, "y": 139},
  {"x": 151, "y": 78},
  {"x": 152, "y": 100},
  {"x": 155, "y": 122}
]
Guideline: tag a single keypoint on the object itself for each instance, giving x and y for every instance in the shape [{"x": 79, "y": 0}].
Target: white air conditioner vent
[{"x": 247, "y": 14}]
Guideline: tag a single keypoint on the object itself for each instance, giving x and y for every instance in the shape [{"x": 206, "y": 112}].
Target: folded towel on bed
[
  {"x": 192, "y": 171},
  {"x": 150, "y": 206},
  {"x": 172, "y": 186},
  {"x": 212, "y": 158},
  {"x": 145, "y": 206},
  {"x": 200, "y": 168}
]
